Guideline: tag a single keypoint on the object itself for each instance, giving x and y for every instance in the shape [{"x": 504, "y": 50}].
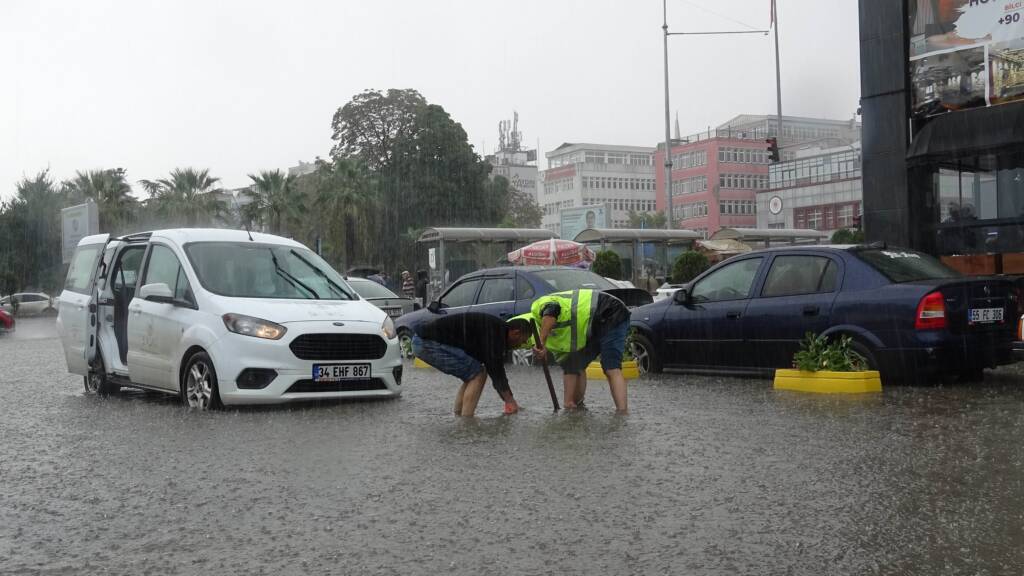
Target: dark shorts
[
  {"x": 448, "y": 359},
  {"x": 609, "y": 347}
]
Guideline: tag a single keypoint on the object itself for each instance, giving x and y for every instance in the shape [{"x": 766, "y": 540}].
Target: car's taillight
[{"x": 931, "y": 312}]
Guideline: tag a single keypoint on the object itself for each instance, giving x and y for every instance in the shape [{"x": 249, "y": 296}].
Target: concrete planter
[{"x": 825, "y": 382}]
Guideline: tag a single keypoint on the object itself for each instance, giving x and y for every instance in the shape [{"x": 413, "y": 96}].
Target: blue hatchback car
[
  {"x": 509, "y": 291},
  {"x": 909, "y": 315}
]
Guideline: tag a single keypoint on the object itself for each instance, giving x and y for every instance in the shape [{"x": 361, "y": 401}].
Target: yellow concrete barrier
[
  {"x": 825, "y": 382},
  {"x": 629, "y": 370},
  {"x": 417, "y": 363}
]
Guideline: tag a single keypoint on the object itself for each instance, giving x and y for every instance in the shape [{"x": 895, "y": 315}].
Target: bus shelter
[
  {"x": 647, "y": 254},
  {"x": 454, "y": 252},
  {"x": 765, "y": 238}
]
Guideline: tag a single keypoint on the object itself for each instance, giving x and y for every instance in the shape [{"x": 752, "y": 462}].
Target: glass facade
[
  {"x": 974, "y": 204},
  {"x": 815, "y": 170}
]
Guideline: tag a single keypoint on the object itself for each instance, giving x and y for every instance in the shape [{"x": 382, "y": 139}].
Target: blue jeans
[
  {"x": 448, "y": 359},
  {"x": 610, "y": 347}
]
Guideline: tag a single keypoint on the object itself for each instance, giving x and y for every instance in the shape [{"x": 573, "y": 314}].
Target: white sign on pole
[
  {"x": 432, "y": 258},
  {"x": 76, "y": 223}
]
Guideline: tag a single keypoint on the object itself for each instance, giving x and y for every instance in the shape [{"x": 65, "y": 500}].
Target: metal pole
[
  {"x": 778, "y": 74},
  {"x": 668, "y": 133}
]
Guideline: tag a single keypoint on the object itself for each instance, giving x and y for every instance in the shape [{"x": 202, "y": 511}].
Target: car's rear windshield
[
  {"x": 569, "y": 279},
  {"x": 369, "y": 289},
  {"x": 906, "y": 265},
  {"x": 252, "y": 270}
]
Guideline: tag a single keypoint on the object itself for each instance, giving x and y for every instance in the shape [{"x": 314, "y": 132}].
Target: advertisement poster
[
  {"x": 965, "y": 54},
  {"x": 576, "y": 220}
]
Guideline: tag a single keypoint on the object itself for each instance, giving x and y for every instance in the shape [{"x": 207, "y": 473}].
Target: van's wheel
[
  {"x": 97, "y": 382},
  {"x": 199, "y": 383},
  {"x": 642, "y": 349}
]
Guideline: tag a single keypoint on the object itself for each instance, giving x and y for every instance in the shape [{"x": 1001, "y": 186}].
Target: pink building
[{"x": 714, "y": 182}]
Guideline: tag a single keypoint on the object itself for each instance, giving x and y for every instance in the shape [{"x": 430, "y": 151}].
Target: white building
[
  {"x": 820, "y": 189},
  {"x": 519, "y": 167},
  {"x": 619, "y": 177}
]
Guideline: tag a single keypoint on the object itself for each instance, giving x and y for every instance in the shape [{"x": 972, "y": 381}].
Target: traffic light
[{"x": 773, "y": 149}]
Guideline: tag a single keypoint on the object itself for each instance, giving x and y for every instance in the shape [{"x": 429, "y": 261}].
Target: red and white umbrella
[{"x": 552, "y": 252}]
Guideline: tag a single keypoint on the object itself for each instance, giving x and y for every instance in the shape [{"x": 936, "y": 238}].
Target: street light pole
[
  {"x": 778, "y": 72},
  {"x": 668, "y": 133}
]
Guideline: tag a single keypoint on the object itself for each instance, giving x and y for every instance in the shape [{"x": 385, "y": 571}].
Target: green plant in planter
[
  {"x": 819, "y": 353},
  {"x": 630, "y": 338}
]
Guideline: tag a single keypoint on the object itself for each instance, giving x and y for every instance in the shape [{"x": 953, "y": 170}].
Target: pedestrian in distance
[
  {"x": 408, "y": 285},
  {"x": 576, "y": 327},
  {"x": 421, "y": 287},
  {"x": 471, "y": 347}
]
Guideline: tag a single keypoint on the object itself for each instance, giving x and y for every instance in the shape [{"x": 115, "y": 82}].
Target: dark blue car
[
  {"x": 909, "y": 315},
  {"x": 507, "y": 292}
]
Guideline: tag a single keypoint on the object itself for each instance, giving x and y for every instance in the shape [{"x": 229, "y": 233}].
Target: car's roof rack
[{"x": 137, "y": 237}]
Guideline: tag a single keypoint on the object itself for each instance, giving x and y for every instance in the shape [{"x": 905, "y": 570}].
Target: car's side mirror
[
  {"x": 158, "y": 292},
  {"x": 682, "y": 296},
  {"x": 434, "y": 306}
]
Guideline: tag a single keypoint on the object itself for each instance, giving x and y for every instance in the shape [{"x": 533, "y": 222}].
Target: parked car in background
[
  {"x": 382, "y": 297},
  {"x": 6, "y": 322},
  {"x": 909, "y": 315},
  {"x": 507, "y": 292},
  {"x": 221, "y": 317},
  {"x": 28, "y": 304}
]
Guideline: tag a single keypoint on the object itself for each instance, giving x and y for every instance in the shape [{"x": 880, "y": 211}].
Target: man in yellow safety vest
[{"x": 577, "y": 326}]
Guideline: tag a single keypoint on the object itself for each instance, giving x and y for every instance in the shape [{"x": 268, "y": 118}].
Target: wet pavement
[{"x": 706, "y": 476}]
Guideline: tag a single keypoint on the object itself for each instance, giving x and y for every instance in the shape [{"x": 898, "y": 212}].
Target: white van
[{"x": 221, "y": 317}]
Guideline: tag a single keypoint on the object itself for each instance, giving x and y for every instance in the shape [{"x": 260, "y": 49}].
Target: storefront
[{"x": 943, "y": 108}]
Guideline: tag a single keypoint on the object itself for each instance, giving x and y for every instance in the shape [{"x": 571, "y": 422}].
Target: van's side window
[
  {"x": 164, "y": 268},
  {"x": 82, "y": 265}
]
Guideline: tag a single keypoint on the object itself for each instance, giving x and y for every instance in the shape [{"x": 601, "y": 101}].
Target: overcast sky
[{"x": 240, "y": 86}]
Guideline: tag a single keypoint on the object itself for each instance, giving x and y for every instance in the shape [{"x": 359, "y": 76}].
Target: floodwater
[{"x": 706, "y": 476}]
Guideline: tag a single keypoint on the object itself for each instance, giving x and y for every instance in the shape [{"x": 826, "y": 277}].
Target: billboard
[
  {"x": 576, "y": 220},
  {"x": 965, "y": 54},
  {"x": 76, "y": 223}
]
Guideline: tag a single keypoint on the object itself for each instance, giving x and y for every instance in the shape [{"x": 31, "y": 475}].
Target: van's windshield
[{"x": 251, "y": 270}]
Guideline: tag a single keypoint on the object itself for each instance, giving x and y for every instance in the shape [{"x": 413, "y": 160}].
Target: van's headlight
[
  {"x": 388, "y": 328},
  {"x": 256, "y": 327}
]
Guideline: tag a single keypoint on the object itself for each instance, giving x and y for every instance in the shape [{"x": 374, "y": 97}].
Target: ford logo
[{"x": 339, "y": 323}]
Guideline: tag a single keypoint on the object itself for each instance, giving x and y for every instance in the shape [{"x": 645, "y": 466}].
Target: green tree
[
  {"x": 276, "y": 202},
  {"x": 189, "y": 197},
  {"x": 110, "y": 190},
  {"x": 608, "y": 264},
  {"x": 656, "y": 220},
  {"x": 30, "y": 237},
  {"x": 425, "y": 170},
  {"x": 848, "y": 236},
  {"x": 688, "y": 266},
  {"x": 345, "y": 196},
  {"x": 370, "y": 126},
  {"x": 523, "y": 210}
]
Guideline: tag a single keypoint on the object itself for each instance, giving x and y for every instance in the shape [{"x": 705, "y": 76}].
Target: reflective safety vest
[{"x": 572, "y": 327}]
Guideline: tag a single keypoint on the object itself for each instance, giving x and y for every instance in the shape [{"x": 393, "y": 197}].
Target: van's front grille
[{"x": 339, "y": 347}]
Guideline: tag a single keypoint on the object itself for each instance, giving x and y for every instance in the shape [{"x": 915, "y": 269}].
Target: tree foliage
[
  {"x": 644, "y": 220},
  {"x": 111, "y": 192},
  {"x": 688, "y": 266},
  {"x": 276, "y": 203},
  {"x": 523, "y": 210},
  {"x": 848, "y": 236},
  {"x": 189, "y": 198},
  {"x": 30, "y": 249},
  {"x": 608, "y": 264}
]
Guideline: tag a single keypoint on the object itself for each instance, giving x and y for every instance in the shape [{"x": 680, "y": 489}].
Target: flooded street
[{"x": 708, "y": 475}]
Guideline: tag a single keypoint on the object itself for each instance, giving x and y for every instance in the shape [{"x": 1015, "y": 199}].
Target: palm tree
[
  {"x": 346, "y": 194},
  {"x": 274, "y": 198},
  {"x": 110, "y": 190},
  {"x": 189, "y": 196}
]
